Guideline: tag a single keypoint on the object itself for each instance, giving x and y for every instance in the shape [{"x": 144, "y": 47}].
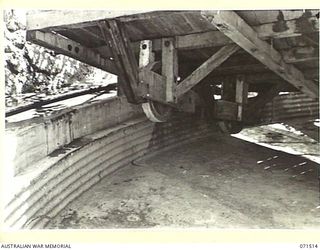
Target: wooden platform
[{"x": 276, "y": 47}]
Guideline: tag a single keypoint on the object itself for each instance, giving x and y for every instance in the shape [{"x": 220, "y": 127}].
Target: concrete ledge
[
  {"x": 63, "y": 178},
  {"x": 65, "y": 169},
  {"x": 34, "y": 139}
]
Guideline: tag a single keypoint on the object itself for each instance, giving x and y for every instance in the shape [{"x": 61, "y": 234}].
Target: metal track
[{"x": 40, "y": 103}]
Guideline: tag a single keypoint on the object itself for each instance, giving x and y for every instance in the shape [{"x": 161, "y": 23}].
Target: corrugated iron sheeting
[{"x": 289, "y": 106}]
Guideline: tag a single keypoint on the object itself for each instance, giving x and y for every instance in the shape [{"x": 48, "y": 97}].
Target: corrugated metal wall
[
  {"x": 290, "y": 106},
  {"x": 69, "y": 171}
]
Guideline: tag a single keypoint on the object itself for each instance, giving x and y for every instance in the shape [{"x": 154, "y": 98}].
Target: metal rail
[{"x": 40, "y": 103}]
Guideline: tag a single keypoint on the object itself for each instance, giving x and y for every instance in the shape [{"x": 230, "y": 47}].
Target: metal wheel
[
  {"x": 156, "y": 112},
  {"x": 230, "y": 127}
]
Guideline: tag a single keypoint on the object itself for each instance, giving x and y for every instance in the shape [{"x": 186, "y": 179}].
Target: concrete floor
[{"x": 217, "y": 182}]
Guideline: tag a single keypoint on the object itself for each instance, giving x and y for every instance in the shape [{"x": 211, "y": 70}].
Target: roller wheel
[
  {"x": 156, "y": 112},
  {"x": 230, "y": 127}
]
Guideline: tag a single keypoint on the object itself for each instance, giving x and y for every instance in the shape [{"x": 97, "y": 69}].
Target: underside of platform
[{"x": 180, "y": 59}]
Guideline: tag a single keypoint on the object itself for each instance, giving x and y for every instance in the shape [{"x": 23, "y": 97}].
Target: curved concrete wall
[
  {"x": 290, "y": 106},
  {"x": 56, "y": 158},
  {"x": 36, "y": 138},
  {"x": 92, "y": 150}
]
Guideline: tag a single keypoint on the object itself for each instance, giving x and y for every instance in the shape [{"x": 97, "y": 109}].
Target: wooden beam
[
  {"x": 300, "y": 54},
  {"x": 151, "y": 84},
  {"x": 125, "y": 61},
  {"x": 169, "y": 68},
  {"x": 241, "y": 97},
  {"x": 70, "y": 48},
  {"x": 61, "y": 19},
  {"x": 92, "y": 34},
  {"x": 292, "y": 55},
  {"x": 228, "y": 90},
  {"x": 230, "y": 24},
  {"x": 146, "y": 55},
  {"x": 250, "y": 68},
  {"x": 215, "y": 38},
  {"x": 205, "y": 69},
  {"x": 263, "y": 77}
]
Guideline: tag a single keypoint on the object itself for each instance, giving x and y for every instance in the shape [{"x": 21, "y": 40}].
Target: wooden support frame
[
  {"x": 290, "y": 56},
  {"x": 207, "y": 67},
  {"x": 230, "y": 24},
  {"x": 216, "y": 38},
  {"x": 146, "y": 54},
  {"x": 241, "y": 95},
  {"x": 72, "y": 49},
  {"x": 151, "y": 84},
  {"x": 126, "y": 63},
  {"x": 300, "y": 54},
  {"x": 169, "y": 68},
  {"x": 265, "y": 77},
  {"x": 154, "y": 87}
]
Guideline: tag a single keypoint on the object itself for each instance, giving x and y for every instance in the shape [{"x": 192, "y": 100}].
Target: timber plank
[
  {"x": 72, "y": 49},
  {"x": 170, "y": 67},
  {"x": 128, "y": 71},
  {"x": 127, "y": 60},
  {"x": 61, "y": 19}
]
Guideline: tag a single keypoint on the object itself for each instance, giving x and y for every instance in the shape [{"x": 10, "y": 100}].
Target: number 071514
[{"x": 309, "y": 246}]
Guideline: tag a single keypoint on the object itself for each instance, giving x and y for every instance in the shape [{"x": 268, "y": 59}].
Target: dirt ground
[{"x": 217, "y": 182}]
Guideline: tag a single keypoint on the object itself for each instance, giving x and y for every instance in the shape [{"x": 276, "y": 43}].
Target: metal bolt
[{"x": 167, "y": 43}]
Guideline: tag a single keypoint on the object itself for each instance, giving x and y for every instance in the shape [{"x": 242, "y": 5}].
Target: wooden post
[
  {"x": 146, "y": 55},
  {"x": 241, "y": 95},
  {"x": 228, "y": 89},
  {"x": 170, "y": 68}
]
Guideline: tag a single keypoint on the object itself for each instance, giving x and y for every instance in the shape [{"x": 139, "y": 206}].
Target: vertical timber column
[
  {"x": 146, "y": 55},
  {"x": 228, "y": 89},
  {"x": 241, "y": 95},
  {"x": 120, "y": 91},
  {"x": 170, "y": 67}
]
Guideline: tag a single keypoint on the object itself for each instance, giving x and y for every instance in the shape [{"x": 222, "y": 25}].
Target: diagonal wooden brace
[
  {"x": 115, "y": 36},
  {"x": 205, "y": 69},
  {"x": 234, "y": 27}
]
